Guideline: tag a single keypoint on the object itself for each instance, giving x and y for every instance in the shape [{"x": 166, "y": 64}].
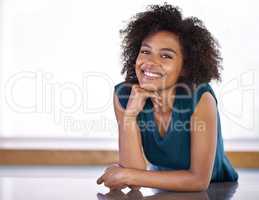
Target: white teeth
[{"x": 152, "y": 74}]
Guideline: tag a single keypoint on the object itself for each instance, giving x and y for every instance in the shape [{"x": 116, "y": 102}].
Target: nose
[{"x": 153, "y": 59}]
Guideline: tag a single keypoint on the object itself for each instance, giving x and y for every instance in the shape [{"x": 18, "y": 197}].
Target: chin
[{"x": 149, "y": 86}]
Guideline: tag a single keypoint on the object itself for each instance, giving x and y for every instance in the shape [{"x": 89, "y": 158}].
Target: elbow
[
  {"x": 201, "y": 185},
  {"x": 201, "y": 181}
]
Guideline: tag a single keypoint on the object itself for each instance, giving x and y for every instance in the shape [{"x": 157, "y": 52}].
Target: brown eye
[
  {"x": 167, "y": 56},
  {"x": 144, "y": 51}
]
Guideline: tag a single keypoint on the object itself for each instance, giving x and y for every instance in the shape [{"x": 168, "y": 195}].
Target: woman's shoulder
[
  {"x": 191, "y": 96},
  {"x": 200, "y": 90}
]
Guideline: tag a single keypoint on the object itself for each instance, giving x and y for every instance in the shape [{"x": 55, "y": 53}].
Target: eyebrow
[{"x": 163, "y": 49}]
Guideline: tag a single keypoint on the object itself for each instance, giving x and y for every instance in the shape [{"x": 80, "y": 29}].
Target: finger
[
  {"x": 116, "y": 165},
  {"x": 157, "y": 96},
  {"x": 152, "y": 95},
  {"x": 147, "y": 93},
  {"x": 100, "y": 180},
  {"x": 110, "y": 167},
  {"x": 109, "y": 183},
  {"x": 157, "y": 103},
  {"x": 114, "y": 186},
  {"x": 156, "y": 93},
  {"x": 134, "y": 187},
  {"x": 119, "y": 165}
]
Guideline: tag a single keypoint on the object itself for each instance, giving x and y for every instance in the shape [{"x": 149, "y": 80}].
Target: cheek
[
  {"x": 138, "y": 63},
  {"x": 140, "y": 59},
  {"x": 173, "y": 72}
]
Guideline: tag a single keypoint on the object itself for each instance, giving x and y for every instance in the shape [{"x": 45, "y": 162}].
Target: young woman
[{"x": 166, "y": 107}]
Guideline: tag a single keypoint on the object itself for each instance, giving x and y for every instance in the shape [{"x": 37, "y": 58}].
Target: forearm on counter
[{"x": 178, "y": 180}]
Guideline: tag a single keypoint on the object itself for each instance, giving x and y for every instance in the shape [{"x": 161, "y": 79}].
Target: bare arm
[
  {"x": 130, "y": 146},
  {"x": 203, "y": 148}
]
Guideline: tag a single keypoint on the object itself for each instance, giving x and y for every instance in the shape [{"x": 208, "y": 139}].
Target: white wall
[{"x": 60, "y": 60}]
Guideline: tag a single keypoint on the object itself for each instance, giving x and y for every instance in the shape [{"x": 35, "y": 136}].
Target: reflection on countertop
[{"x": 222, "y": 191}]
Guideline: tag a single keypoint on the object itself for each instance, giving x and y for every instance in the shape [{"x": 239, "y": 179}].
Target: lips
[{"x": 151, "y": 74}]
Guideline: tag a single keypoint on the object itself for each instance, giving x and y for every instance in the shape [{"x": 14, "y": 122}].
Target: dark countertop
[{"x": 79, "y": 182}]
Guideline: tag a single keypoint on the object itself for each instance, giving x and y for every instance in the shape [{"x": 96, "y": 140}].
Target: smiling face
[{"x": 159, "y": 62}]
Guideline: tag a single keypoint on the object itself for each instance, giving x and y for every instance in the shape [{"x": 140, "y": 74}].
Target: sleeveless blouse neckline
[{"x": 169, "y": 130}]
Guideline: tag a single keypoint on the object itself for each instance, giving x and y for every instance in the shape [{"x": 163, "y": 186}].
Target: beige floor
[{"x": 78, "y": 183}]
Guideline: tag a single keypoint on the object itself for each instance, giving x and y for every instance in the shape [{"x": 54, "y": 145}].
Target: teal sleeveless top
[{"x": 172, "y": 151}]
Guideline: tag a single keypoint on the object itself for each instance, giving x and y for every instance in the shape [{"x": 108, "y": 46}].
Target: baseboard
[{"x": 97, "y": 157}]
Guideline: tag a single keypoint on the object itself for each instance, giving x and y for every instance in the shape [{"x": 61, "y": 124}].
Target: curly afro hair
[{"x": 201, "y": 56}]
